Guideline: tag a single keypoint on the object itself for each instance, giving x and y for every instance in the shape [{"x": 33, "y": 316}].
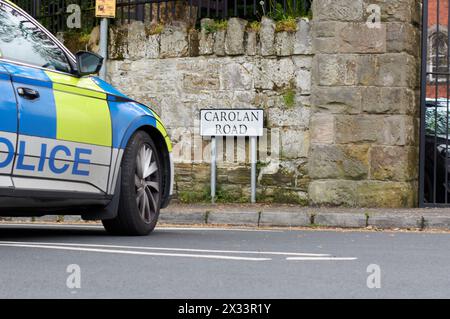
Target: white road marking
[
  {"x": 321, "y": 258},
  {"x": 170, "y": 249},
  {"x": 129, "y": 252}
]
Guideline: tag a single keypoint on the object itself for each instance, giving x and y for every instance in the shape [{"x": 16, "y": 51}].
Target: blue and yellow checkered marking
[{"x": 77, "y": 109}]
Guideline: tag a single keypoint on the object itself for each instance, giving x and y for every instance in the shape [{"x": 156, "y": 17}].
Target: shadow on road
[{"x": 22, "y": 232}]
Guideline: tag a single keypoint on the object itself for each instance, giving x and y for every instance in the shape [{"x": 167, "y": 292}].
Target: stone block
[
  {"x": 284, "y": 43},
  {"x": 397, "y": 10},
  {"x": 322, "y": 128},
  {"x": 206, "y": 43},
  {"x": 296, "y": 117},
  {"x": 118, "y": 44},
  {"x": 174, "y": 42},
  {"x": 359, "y": 38},
  {"x": 388, "y": 70},
  {"x": 339, "y": 161},
  {"x": 380, "y": 100},
  {"x": 219, "y": 42},
  {"x": 194, "y": 43},
  {"x": 335, "y": 70},
  {"x": 251, "y": 43},
  {"x": 267, "y": 36},
  {"x": 285, "y": 219},
  {"x": 436, "y": 221},
  {"x": 234, "y": 218},
  {"x": 387, "y": 130},
  {"x": 395, "y": 220},
  {"x": 337, "y": 99},
  {"x": 235, "y": 76},
  {"x": 152, "y": 46},
  {"x": 187, "y": 218},
  {"x": 303, "y": 81},
  {"x": 303, "y": 39},
  {"x": 403, "y": 37},
  {"x": 271, "y": 73},
  {"x": 234, "y": 41},
  {"x": 198, "y": 82},
  {"x": 137, "y": 41},
  {"x": 340, "y": 10},
  {"x": 332, "y": 192},
  {"x": 294, "y": 143},
  {"x": 386, "y": 194},
  {"x": 394, "y": 163},
  {"x": 339, "y": 219}
]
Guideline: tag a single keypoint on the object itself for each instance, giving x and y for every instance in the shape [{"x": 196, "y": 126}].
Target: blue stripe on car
[
  {"x": 8, "y": 106},
  {"x": 37, "y": 117},
  {"x": 126, "y": 118}
]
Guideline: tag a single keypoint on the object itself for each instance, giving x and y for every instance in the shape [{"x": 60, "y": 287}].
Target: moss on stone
[
  {"x": 254, "y": 26},
  {"x": 153, "y": 29},
  {"x": 287, "y": 24},
  {"x": 76, "y": 41}
]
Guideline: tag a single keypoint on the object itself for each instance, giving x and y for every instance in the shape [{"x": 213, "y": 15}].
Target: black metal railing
[
  {"x": 53, "y": 13},
  {"x": 434, "y": 179}
]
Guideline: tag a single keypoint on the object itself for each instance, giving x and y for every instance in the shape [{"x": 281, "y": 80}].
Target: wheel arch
[
  {"x": 164, "y": 157},
  {"x": 157, "y": 132}
]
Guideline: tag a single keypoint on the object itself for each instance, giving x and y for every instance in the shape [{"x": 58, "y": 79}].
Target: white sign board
[{"x": 231, "y": 122}]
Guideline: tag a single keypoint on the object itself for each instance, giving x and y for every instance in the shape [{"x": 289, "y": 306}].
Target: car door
[
  {"x": 64, "y": 126},
  {"x": 8, "y": 128}
]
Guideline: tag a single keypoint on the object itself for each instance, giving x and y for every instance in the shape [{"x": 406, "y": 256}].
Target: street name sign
[{"x": 231, "y": 122}]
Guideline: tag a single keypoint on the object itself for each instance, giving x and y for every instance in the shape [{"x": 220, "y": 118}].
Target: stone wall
[
  {"x": 180, "y": 71},
  {"x": 364, "y": 123},
  {"x": 340, "y": 98}
]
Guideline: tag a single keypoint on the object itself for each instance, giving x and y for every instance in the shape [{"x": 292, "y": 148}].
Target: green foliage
[
  {"x": 215, "y": 26},
  {"x": 436, "y": 121},
  {"x": 191, "y": 197},
  {"x": 76, "y": 40},
  {"x": 288, "y": 197},
  {"x": 289, "y": 98},
  {"x": 224, "y": 196},
  {"x": 254, "y": 26},
  {"x": 153, "y": 29},
  {"x": 204, "y": 196},
  {"x": 221, "y": 24},
  {"x": 294, "y": 9},
  {"x": 288, "y": 24}
]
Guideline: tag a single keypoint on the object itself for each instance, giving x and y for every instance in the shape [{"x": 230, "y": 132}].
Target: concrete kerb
[{"x": 289, "y": 216}]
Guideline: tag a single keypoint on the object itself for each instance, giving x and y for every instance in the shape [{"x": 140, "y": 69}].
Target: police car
[{"x": 71, "y": 143}]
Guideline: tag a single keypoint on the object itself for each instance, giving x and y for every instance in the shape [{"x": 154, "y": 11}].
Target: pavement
[
  {"x": 260, "y": 215},
  {"x": 82, "y": 261}
]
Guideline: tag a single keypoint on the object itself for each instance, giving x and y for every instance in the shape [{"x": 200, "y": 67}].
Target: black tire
[{"x": 132, "y": 218}]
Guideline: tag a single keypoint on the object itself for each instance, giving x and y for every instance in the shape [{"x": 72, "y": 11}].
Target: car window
[
  {"x": 436, "y": 120},
  {"x": 22, "y": 41}
]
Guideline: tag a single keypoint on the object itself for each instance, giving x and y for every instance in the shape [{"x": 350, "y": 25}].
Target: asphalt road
[{"x": 220, "y": 263}]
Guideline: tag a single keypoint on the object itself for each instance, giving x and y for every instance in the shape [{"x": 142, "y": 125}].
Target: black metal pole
[{"x": 423, "y": 93}]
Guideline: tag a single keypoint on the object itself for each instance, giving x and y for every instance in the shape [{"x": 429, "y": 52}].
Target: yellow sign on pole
[{"x": 105, "y": 8}]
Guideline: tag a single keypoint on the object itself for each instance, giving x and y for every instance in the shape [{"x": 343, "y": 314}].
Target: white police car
[{"x": 70, "y": 143}]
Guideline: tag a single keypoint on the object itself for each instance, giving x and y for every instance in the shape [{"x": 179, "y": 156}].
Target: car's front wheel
[{"x": 140, "y": 194}]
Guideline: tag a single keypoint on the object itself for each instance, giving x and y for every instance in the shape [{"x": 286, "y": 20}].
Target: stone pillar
[{"x": 365, "y": 104}]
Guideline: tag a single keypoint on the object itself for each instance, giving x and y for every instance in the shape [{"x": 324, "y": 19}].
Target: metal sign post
[
  {"x": 213, "y": 168},
  {"x": 104, "y": 9},
  {"x": 103, "y": 46},
  {"x": 253, "y": 147},
  {"x": 232, "y": 122}
]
